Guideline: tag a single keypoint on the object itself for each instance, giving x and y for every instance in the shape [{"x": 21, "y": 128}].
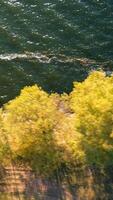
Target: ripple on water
[{"x": 53, "y": 43}]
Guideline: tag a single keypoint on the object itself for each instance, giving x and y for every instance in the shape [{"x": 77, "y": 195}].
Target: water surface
[{"x": 53, "y": 43}]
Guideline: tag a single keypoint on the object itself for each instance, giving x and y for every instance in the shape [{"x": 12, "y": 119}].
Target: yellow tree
[
  {"x": 29, "y": 121},
  {"x": 92, "y": 103}
]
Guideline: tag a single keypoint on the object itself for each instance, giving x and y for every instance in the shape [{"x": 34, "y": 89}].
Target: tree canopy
[{"x": 48, "y": 130}]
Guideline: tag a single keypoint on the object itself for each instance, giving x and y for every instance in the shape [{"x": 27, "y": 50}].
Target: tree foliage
[
  {"x": 92, "y": 102},
  {"x": 46, "y": 131},
  {"x": 29, "y": 123}
]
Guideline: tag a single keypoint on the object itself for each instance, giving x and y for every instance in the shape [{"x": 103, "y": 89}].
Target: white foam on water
[
  {"x": 46, "y": 59},
  {"x": 13, "y": 56},
  {"x": 14, "y": 3}
]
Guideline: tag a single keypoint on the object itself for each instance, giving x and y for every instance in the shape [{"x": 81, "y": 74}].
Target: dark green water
[{"x": 53, "y": 43}]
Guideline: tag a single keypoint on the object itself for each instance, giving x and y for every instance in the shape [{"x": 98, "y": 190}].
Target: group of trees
[{"x": 47, "y": 131}]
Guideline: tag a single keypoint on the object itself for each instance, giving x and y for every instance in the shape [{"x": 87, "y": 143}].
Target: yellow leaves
[
  {"x": 29, "y": 124},
  {"x": 111, "y": 134},
  {"x": 48, "y": 130},
  {"x": 92, "y": 102},
  {"x": 107, "y": 147},
  {"x": 69, "y": 140}
]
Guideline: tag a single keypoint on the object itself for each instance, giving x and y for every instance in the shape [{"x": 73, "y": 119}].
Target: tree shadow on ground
[{"x": 86, "y": 184}]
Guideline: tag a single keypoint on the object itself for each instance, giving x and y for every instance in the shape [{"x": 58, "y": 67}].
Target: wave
[
  {"x": 14, "y": 56},
  {"x": 51, "y": 58}
]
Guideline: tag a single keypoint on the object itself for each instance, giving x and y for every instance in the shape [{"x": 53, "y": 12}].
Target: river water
[{"x": 53, "y": 43}]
